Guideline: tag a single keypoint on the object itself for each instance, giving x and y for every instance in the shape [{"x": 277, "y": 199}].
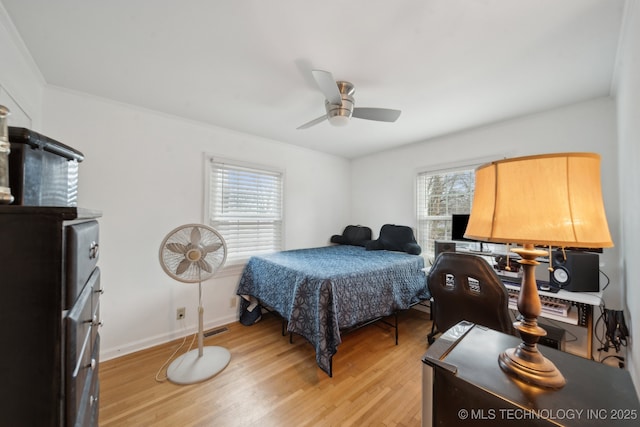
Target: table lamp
[{"x": 545, "y": 200}]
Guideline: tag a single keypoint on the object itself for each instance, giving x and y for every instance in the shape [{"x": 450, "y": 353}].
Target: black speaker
[
  {"x": 444, "y": 246},
  {"x": 578, "y": 272}
]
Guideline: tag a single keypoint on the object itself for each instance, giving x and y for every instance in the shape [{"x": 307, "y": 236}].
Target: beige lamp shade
[{"x": 551, "y": 199}]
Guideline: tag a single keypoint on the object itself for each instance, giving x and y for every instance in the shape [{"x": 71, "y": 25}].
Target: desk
[
  {"x": 462, "y": 384},
  {"x": 581, "y": 313}
]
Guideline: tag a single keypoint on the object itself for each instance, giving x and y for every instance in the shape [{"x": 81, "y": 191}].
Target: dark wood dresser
[{"x": 49, "y": 316}]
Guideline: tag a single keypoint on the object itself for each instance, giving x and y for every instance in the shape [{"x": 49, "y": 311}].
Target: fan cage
[{"x": 182, "y": 235}]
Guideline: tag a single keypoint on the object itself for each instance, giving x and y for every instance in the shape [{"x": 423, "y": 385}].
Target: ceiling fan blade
[
  {"x": 377, "y": 114},
  {"x": 328, "y": 86},
  {"x": 313, "y": 122}
]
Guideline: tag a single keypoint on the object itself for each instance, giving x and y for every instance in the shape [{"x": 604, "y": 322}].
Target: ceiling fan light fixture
[
  {"x": 339, "y": 120},
  {"x": 339, "y": 115}
]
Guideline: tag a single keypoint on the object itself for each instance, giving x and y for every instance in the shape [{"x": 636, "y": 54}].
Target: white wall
[
  {"x": 628, "y": 103},
  {"x": 20, "y": 79},
  {"x": 145, "y": 172},
  {"x": 383, "y": 184}
]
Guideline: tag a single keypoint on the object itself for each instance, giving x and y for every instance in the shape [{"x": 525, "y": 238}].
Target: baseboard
[{"x": 112, "y": 353}]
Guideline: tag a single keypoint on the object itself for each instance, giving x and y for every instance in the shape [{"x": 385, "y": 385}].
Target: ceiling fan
[{"x": 339, "y": 103}]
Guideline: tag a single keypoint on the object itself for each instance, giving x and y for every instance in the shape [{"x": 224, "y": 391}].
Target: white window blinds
[{"x": 245, "y": 206}]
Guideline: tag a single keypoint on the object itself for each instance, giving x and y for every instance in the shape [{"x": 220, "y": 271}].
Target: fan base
[{"x": 190, "y": 368}]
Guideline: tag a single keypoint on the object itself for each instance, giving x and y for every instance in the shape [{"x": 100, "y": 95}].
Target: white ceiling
[{"x": 245, "y": 64}]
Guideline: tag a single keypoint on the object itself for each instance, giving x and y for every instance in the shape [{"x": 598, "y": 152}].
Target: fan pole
[
  {"x": 200, "y": 322},
  {"x": 196, "y": 366}
]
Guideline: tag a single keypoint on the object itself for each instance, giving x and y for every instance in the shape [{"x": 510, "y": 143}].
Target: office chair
[{"x": 465, "y": 287}]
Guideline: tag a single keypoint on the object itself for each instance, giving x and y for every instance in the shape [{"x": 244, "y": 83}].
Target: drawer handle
[
  {"x": 99, "y": 291},
  {"x": 93, "y": 364},
  {"x": 95, "y": 321},
  {"x": 94, "y": 249}
]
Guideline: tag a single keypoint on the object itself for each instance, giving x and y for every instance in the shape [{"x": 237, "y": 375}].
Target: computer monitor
[{"x": 459, "y": 226}]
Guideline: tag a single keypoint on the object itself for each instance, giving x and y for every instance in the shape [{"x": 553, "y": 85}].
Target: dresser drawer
[
  {"x": 82, "y": 251},
  {"x": 83, "y": 400},
  {"x": 81, "y": 330}
]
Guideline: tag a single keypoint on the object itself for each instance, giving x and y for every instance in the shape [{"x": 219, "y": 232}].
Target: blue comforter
[{"x": 322, "y": 290}]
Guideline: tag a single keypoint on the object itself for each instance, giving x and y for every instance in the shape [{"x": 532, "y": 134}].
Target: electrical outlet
[
  {"x": 234, "y": 302},
  {"x": 180, "y": 313}
]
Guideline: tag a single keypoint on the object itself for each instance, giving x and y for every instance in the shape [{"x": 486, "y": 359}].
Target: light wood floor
[{"x": 270, "y": 382}]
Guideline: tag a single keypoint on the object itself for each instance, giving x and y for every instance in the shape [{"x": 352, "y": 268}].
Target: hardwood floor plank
[{"x": 270, "y": 382}]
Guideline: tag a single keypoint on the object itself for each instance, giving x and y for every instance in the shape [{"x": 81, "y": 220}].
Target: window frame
[
  {"x": 441, "y": 169},
  {"x": 236, "y": 263}
]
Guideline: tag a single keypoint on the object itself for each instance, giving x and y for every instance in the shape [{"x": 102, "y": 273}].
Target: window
[
  {"x": 439, "y": 195},
  {"x": 245, "y": 207}
]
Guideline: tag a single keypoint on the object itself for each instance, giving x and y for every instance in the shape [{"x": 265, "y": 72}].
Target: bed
[{"x": 321, "y": 291}]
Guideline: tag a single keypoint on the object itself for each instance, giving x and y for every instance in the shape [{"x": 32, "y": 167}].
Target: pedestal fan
[{"x": 193, "y": 253}]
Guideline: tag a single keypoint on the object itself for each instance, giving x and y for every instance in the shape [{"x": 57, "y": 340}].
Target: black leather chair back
[{"x": 465, "y": 287}]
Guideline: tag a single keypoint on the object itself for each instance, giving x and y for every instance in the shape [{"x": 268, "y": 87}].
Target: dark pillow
[
  {"x": 395, "y": 238},
  {"x": 412, "y": 248},
  {"x": 356, "y": 235},
  {"x": 374, "y": 245}
]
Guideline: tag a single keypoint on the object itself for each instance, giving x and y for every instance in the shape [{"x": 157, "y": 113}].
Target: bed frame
[{"x": 325, "y": 293}]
